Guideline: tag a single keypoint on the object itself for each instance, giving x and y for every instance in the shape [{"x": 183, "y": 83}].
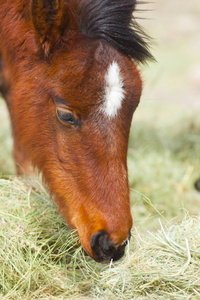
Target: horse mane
[{"x": 112, "y": 21}]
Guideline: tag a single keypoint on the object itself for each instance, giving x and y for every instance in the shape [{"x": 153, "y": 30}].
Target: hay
[
  {"x": 164, "y": 265},
  {"x": 40, "y": 259}
]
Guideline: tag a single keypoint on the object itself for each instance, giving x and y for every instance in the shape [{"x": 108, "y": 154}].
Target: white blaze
[{"x": 114, "y": 91}]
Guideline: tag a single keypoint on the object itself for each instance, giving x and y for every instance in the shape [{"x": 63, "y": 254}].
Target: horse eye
[{"x": 66, "y": 117}]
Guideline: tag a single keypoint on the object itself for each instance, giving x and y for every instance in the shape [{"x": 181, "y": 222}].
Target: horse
[{"x": 69, "y": 75}]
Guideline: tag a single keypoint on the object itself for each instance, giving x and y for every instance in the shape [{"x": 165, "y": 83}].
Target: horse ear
[{"x": 50, "y": 18}]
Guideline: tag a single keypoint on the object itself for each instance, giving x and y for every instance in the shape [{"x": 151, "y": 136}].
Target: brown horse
[{"x": 68, "y": 74}]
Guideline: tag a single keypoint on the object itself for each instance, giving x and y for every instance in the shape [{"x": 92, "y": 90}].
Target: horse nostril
[{"x": 104, "y": 248}]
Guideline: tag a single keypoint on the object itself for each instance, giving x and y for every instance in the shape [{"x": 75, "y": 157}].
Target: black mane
[{"x": 112, "y": 21}]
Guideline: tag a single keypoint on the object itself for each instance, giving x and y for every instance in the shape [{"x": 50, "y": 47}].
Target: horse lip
[
  {"x": 128, "y": 239},
  {"x": 126, "y": 242}
]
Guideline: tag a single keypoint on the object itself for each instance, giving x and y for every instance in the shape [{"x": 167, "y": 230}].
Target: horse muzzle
[{"x": 104, "y": 249}]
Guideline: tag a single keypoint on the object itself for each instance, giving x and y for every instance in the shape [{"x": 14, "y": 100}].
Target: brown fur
[{"x": 85, "y": 167}]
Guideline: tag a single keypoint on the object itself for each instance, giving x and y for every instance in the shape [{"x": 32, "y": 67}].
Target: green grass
[
  {"x": 6, "y": 162},
  {"x": 40, "y": 257},
  {"x": 164, "y": 162}
]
